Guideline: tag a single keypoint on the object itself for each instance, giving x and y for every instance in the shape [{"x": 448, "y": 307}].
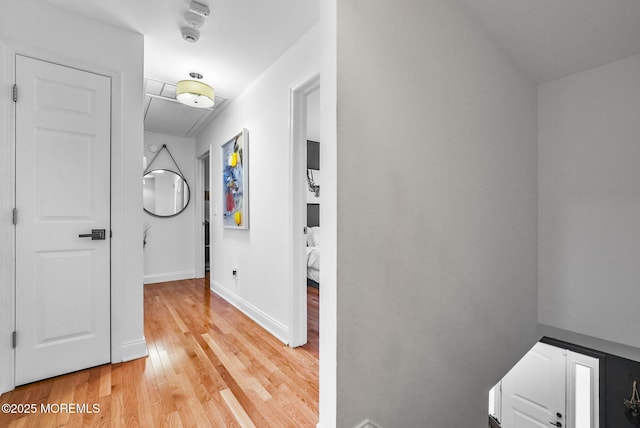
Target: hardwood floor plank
[
  {"x": 173, "y": 420},
  {"x": 209, "y": 365},
  {"x": 105, "y": 381},
  {"x": 237, "y": 369},
  {"x": 241, "y": 416}
]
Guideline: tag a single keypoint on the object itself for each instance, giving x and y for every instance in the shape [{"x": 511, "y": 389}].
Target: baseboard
[
  {"x": 134, "y": 349},
  {"x": 169, "y": 276},
  {"x": 5, "y": 388},
  {"x": 276, "y": 328},
  {"x": 367, "y": 424}
]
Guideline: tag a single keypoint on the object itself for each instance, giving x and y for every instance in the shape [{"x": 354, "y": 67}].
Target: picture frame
[{"x": 234, "y": 155}]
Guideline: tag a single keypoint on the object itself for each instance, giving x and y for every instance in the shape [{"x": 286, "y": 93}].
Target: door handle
[
  {"x": 558, "y": 424},
  {"x": 95, "y": 235}
]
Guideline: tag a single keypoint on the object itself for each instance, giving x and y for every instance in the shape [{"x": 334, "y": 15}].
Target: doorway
[
  {"x": 550, "y": 385},
  {"x": 301, "y": 95},
  {"x": 203, "y": 217},
  {"x": 207, "y": 217},
  {"x": 63, "y": 286}
]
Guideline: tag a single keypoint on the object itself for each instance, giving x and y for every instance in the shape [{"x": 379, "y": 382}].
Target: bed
[{"x": 313, "y": 256}]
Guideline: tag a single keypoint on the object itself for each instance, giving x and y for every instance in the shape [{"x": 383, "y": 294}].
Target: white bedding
[{"x": 313, "y": 263}]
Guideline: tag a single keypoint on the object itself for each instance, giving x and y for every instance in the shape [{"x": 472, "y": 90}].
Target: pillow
[{"x": 313, "y": 236}]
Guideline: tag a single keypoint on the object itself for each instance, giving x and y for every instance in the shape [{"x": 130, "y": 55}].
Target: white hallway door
[
  {"x": 551, "y": 386},
  {"x": 533, "y": 392},
  {"x": 63, "y": 142}
]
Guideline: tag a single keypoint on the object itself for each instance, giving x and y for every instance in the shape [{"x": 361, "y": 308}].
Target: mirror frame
[{"x": 185, "y": 182}]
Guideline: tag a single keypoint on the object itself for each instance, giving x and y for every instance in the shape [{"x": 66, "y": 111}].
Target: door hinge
[
  {"x": 111, "y": 234},
  {"x": 15, "y": 93},
  {"x": 14, "y": 216},
  {"x": 14, "y": 341}
]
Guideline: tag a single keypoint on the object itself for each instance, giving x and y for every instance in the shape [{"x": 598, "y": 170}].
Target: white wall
[
  {"x": 261, "y": 253},
  {"x": 589, "y": 181},
  {"x": 437, "y": 202},
  {"x": 169, "y": 254},
  {"x": 52, "y": 34},
  {"x": 328, "y": 214}
]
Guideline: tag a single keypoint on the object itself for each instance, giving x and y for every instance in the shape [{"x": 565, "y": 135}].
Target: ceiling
[
  {"x": 238, "y": 41},
  {"x": 547, "y": 39}
]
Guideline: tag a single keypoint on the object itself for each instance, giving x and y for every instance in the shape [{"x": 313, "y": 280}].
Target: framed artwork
[{"x": 235, "y": 181}]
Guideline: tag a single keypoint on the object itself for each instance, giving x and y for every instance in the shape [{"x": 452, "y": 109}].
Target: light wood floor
[{"x": 208, "y": 366}]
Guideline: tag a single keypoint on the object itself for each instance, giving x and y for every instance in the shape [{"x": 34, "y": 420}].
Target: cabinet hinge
[
  {"x": 14, "y": 216},
  {"x": 15, "y": 93},
  {"x": 14, "y": 340}
]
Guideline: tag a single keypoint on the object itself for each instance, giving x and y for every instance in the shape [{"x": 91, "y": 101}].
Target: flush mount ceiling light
[{"x": 194, "y": 93}]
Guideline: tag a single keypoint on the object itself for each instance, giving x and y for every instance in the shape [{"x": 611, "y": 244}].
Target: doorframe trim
[
  {"x": 200, "y": 262},
  {"x": 7, "y": 229},
  {"x": 298, "y": 94},
  {"x": 601, "y": 356}
]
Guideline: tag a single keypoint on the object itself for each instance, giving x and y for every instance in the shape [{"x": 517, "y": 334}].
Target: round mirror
[{"x": 164, "y": 193}]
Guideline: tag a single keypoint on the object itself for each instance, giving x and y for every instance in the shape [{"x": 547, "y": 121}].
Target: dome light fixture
[{"x": 195, "y": 93}]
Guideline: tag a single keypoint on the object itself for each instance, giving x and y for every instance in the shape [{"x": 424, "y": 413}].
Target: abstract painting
[{"x": 235, "y": 181}]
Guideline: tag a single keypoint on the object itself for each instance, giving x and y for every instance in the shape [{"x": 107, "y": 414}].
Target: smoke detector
[
  {"x": 194, "y": 20},
  {"x": 191, "y": 35}
]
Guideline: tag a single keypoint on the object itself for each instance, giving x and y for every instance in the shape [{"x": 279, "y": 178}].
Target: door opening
[
  {"x": 207, "y": 217},
  {"x": 305, "y": 118},
  {"x": 203, "y": 218}
]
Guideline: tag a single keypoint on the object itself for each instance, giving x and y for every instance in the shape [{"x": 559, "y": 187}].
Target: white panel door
[
  {"x": 533, "y": 392},
  {"x": 62, "y": 191}
]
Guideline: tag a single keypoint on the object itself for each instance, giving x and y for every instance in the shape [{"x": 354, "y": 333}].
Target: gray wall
[
  {"x": 589, "y": 218},
  {"x": 437, "y": 202}
]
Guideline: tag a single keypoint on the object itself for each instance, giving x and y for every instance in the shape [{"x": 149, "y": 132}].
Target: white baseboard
[
  {"x": 5, "y": 388},
  {"x": 368, "y": 424},
  {"x": 169, "y": 276},
  {"x": 134, "y": 349},
  {"x": 276, "y": 328}
]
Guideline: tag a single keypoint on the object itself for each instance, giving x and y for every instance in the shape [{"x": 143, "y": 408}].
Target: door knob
[
  {"x": 558, "y": 424},
  {"x": 95, "y": 235}
]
